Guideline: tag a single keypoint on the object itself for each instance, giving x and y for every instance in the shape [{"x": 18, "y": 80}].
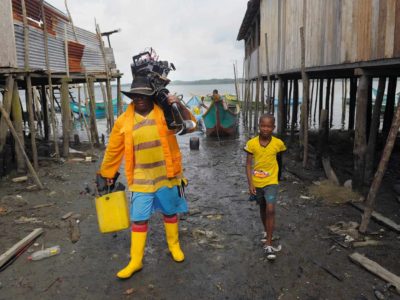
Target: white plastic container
[{"x": 38, "y": 255}]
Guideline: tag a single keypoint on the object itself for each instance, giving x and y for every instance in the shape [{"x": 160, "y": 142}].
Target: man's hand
[
  {"x": 252, "y": 189},
  {"x": 173, "y": 99}
]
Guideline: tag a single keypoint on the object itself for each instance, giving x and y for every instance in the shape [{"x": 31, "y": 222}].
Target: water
[{"x": 190, "y": 90}]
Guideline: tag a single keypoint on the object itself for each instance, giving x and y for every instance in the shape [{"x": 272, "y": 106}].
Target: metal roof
[{"x": 252, "y": 8}]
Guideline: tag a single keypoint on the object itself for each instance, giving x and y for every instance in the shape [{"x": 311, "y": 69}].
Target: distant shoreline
[{"x": 204, "y": 82}]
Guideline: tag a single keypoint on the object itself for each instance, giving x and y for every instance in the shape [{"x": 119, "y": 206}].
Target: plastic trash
[{"x": 38, "y": 255}]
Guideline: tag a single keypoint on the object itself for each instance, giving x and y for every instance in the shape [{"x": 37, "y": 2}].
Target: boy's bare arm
[{"x": 249, "y": 160}]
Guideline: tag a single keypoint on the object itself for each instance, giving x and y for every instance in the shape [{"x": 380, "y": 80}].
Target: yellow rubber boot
[
  {"x": 138, "y": 243},
  {"x": 172, "y": 234}
]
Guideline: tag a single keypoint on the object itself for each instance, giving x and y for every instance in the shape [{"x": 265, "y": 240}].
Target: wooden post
[
  {"x": 360, "y": 139},
  {"x": 7, "y": 100},
  {"x": 316, "y": 103},
  {"x": 16, "y": 112},
  {"x": 262, "y": 97},
  {"x": 272, "y": 100},
  {"x": 310, "y": 104},
  {"x": 369, "y": 108},
  {"x": 281, "y": 120},
  {"x": 29, "y": 104},
  {"x": 92, "y": 105},
  {"x": 321, "y": 99},
  {"x": 344, "y": 104},
  {"x": 352, "y": 104},
  {"x": 304, "y": 111},
  {"x": 120, "y": 105},
  {"x": 257, "y": 103},
  {"x": 65, "y": 115},
  {"x": 6, "y": 117},
  {"x": 110, "y": 104},
  {"x": 236, "y": 83},
  {"x": 332, "y": 102},
  {"x": 323, "y": 136},
  {"x": 45, "y": 112},
  {"x": 49, "y": 80},
  {"x": 28, "y": 89},
  {"x": 289, "y": 98},
  {"x": 251, "y": 106},
  {"x": 270, "y": 109},
  {"x": 373, "y": 133},
  {"x": 387, "y": 151},
  {"x": 295, "y": 108},
  {"x": 106, "y": 108},
  {"x": 389, "y": 110},
  {"x": 107, "y": 70}
]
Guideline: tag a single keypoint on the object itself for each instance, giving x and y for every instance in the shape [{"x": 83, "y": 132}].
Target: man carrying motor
[{"x": 153, "y": 168}]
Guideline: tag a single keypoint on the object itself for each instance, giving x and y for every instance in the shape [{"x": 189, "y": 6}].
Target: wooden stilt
[
  {"x": 360, "y": 139},
  {"x": 49, "y": 80},
  {"x": 270, "y": 104},
  {"x": 323, "y": 136},
  {"x": 45, "y": 112},
  {"x": 38, "y": 110},
  {"x": 387, "y": 151},
  {"x": 332, "y": 103},
  {"x": 281, "y": 119},
  {"x": 316, "y": 102},
  {"x": 262, "y": 96},
  {"x": 344, "y": 99},
  {"x": 120, "y": 105},
  {"x": 295, "y": 108},
  {"x": 369, "y": 108},
  {"x": 321, "y": 99},
  {"x": 65, "y": 114},
  {"x": 16, "y": 113},
  {"x": 305, "y": 81},
  {"x": 106, "y": 108},
  {"x": 373, "y": 133},
  {"x": 352, "y": 104},
  {"x": 110, "y": 104},
  {"x": 92, "y": 106},
  {"x": 6, "y": 117},
  {"x": 389, "y": 110},
  {"x": 251, "y": 106},
  {"x": 257, "y": 106},
  {"x": 273, "y": 98},
  {"x": 289, "y": 103},
  {"x": 310, "y": 103},
  {"x": 32, "y": 130},
  {"x": 7, "y": 100}
]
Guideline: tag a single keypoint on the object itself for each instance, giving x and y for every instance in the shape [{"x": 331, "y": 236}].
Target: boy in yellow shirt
[{"x": 262, "y": 171}]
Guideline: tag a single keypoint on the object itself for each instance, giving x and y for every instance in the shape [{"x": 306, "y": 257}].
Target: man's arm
[{"x": 249, "y": 161}]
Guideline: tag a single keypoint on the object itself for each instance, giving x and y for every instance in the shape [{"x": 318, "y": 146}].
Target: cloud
[{"x": 198, "y": 36}]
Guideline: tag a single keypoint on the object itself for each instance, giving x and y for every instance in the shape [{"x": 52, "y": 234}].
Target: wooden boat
[
  {"x": 221, "y": 122},
  {"x": 99, "y": 109}
]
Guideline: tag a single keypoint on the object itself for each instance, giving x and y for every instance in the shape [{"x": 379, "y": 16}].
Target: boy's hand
[{"x": 252, "y": 189}]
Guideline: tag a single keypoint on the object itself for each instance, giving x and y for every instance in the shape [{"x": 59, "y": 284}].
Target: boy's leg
[
  {"x": 263, "y": 206},
  {"x": 270, "y": 222}
]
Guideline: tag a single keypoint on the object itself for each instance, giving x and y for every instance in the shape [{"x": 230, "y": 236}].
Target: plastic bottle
[{"x": 38, "y": 255}]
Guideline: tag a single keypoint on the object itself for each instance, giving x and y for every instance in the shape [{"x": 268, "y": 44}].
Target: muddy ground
[{"x": 220, "y": 237}]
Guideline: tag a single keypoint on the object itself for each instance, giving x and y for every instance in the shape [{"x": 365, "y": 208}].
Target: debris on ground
[{"x": 332, "y": 193}]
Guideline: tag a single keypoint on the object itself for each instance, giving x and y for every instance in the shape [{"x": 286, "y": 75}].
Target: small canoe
[
  {"x": 100, "y": 111},
  {"x": 221, "y": 122}
]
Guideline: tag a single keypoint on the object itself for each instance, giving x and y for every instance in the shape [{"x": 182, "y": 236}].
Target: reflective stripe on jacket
[{"x": 120, "y": 145}]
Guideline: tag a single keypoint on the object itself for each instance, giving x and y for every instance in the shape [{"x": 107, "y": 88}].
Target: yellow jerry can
[{"x": 112, "y": 212}]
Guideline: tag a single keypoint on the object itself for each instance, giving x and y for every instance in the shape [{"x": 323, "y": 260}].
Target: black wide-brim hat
[{"x": 140, "y": 86}]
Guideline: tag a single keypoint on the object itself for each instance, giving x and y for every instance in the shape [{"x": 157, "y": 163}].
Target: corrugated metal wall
[
  {"x": 336, "y": 32},
  {"x": 85, "y": 54}
]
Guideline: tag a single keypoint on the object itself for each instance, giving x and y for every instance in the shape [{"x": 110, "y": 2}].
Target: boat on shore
[
  {"x": 99, "y": 109},
  {"x": 222, "y": 120}
]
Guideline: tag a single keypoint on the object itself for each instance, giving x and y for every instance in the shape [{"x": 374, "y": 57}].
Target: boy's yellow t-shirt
[
  {"x": 265, "y": 165},
  {"x": 150, "y": 171}
]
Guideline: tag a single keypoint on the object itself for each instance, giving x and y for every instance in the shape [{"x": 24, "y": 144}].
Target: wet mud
[{"x": 220, "y": 237}]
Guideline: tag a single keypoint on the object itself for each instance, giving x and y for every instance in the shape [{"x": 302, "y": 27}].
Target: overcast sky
[{"x": 198, "y": 36}]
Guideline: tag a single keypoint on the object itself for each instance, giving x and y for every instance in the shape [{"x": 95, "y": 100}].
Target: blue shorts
[
  {"x": 168, "y": 201},
  {"x": 268, "y": 193}
]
